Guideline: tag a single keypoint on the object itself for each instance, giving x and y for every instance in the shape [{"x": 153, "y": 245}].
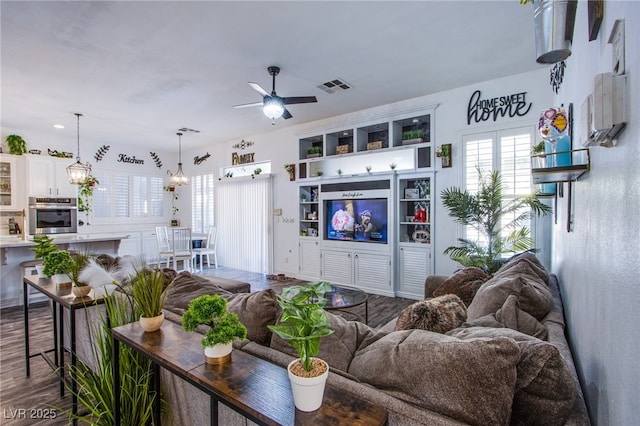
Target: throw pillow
[
  {"x": 530, "y": 259},
  {"x": 471, "y": 381},
  {"x": 185, "y": 287},
  {"x": 464, "y": 283},
  {"x": 440, "y": 314},
  {"x": 520, "y": 280},
  {"x": 338, "y": 348},
  {"x": 511, "y": 316},
  {"x": 256, "y": 311},
  {"x": 545, "y": 391}
]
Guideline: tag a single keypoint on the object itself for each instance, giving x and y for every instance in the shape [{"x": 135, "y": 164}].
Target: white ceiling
[{"x": 139, "y": 71}]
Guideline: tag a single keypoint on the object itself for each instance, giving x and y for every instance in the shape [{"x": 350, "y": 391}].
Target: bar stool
[{"x": 29, "y": 268}]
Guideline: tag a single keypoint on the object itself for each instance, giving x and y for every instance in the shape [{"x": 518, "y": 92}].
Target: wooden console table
[
  {"x": 62, "y": 299},
  {"x": 255, "y": 388}
]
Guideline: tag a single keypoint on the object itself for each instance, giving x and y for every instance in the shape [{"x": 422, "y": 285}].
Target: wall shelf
[{"x": 572, "y": 165}]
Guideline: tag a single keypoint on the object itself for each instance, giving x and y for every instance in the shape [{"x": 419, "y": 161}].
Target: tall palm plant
[{"x": 497, "y": 220}]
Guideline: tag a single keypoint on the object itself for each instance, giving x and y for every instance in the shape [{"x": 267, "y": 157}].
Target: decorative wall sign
[
  {"x": 242, "y": 159},
  {"x": 596, "y": 13},
  {"x": 556, "y": 75},
  {"x": 484, "y": 109},
  {"x": 243, "y": 144},
  {"x": 59, "y": 154},
  {"x": 100, "y": 153},
  {"x": 124, "y": 158},
  {"x": 198, "y": 160},
  {"x": 156, "y": 159}
]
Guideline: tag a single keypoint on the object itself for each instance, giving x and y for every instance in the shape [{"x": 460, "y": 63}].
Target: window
[
  {"x": 505, "y": 150},
  {"x": 126, "y": 196},
  {"x": 202, "y": 213}
]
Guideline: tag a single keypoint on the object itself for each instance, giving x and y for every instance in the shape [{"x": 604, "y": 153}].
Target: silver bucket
[{"x": 554, "y": 21}]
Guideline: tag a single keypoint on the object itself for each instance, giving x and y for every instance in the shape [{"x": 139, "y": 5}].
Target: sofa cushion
[
  {"x": 464, "y": 283},
  {"x": 520, "y": 280},
  {"x": 530, "y": 259},
  {"x": 468, "y": 380},
  {"x": 338, "y": 348},
  {"x": 440, "y": 314},
  {"x": 545, "y": 391},
  {"x": 511, "y": 316}
]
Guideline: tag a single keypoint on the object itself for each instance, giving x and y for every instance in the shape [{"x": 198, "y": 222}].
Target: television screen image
[{"x": 362, "y": 220}]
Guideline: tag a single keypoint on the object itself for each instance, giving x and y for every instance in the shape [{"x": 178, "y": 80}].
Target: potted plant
[
  {"x": 148, "y": 292},
  {"x": 58, "y": 265},
  {"x": 85, "y": 194},
  {"x": 291, "y": 169},
  {"x": 257, "y": 171},
  {"x": 303, "y": 323},
  {"x": 412, "y": 136},
  {"x": 496, "y": 219},
  {"x": 44, "y": 245},
  {"x": 314, "y": 151},
  {"x": 554, "y": 22},
  {"x": 224, "y": 326},
  {"x": 16, "y": 144},
  {"x": 538, "y": 153},
  {"x": 79, "y": 261}
]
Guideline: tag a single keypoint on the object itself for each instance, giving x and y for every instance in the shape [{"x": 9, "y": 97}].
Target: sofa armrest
[{"x": 431, "y": 283}]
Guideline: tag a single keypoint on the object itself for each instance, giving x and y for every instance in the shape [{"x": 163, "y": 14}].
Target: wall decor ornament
[
  {"x": 512, "y": 105},
  {"x": 291, "y": 169},
  {"x": 59, "y": 154},
  {"x": 124, "y": 158},
  {"x": 156, "y": 159},
  {"x": 199, "y": 160},
  {"x": 556, "y": 75},
  {"x": 552, "y": 126},
  {"x": 243, "y": 144},
  {"x": 444, "y": 153},
  {"x": 101, "y": 152}
]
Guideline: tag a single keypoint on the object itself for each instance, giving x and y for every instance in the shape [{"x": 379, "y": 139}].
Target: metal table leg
[{"x": 25, "y": 306}]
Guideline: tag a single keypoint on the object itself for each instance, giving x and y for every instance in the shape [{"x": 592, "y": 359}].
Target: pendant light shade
[
  {"x": 178, "y": 178},
  {"x": 273, "y": 107},
  {"x": 78, "y": 172}
]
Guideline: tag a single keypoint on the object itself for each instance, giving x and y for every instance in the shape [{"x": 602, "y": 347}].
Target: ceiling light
[
  {"x": 78, "y": 172},
  {"x": 58, "y": 126},
  {"x": 273, "y": 107},
  {"x": 178, "y": 178}
]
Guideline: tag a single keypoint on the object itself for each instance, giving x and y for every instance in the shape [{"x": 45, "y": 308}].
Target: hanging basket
[{"x": 554, "y": 21}]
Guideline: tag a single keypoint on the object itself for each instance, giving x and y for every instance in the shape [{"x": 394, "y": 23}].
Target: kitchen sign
[{"x": 491, "y": 108}]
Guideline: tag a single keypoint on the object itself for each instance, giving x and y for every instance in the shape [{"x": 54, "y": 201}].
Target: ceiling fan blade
[
  {"x": 286, "y": 114},
  {"x": 252, "y": 104},
  {"x": 299, "y": 100},
  {"x": 258, "y": 89}
]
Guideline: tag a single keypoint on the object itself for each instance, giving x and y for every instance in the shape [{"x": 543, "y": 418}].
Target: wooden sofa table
[{"x": 255, "y": 388}]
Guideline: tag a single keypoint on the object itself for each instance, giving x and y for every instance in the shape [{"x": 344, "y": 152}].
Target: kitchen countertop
[{"x": 18, "y": 241}]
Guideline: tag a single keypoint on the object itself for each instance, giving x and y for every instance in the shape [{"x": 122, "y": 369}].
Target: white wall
[{"x": 597, "y": 262}]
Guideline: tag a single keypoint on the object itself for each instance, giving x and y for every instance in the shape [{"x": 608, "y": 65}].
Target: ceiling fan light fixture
[
  {"x": 273, "y": 107},
  {"x": 78, "y": 172},
  {"x": 178, "y": 178}
]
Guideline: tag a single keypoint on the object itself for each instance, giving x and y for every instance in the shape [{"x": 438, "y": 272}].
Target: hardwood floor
[{"x": 26, "y": 400}]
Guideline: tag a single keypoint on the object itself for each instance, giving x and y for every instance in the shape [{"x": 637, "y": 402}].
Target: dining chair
[
  {"x": 182, "y": 250},
  {"x": 209, "y": 249},
  {"x": 165, "y": 253}
]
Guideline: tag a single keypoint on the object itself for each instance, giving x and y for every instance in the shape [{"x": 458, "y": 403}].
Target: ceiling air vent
[{"x": 335, "y": 85}]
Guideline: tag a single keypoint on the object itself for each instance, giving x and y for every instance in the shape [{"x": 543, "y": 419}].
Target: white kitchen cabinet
[
  {"x": 11, "y": 182},
  {"x": 47, "y": 177},
  {"x": 414, "y": 266},
  {"x": 309, "y": 265}
]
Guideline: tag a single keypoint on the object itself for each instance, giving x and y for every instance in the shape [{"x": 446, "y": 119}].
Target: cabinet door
[
  {"x": 62, "y": 187},
  {"x": 309, "y": 258},
  {"x": 414, "y": 268},
  {"x": 41, "y": 177},
  {"x": 11, "y": 195},
  {"x": 373, "y": 272},
  {"x": 337, "y": 267}
]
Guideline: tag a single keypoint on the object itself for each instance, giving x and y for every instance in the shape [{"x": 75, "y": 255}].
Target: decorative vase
[
  {"x": 40, "y": 271},
  {"x": 61, "y": 279},
  {"x": 82, "y": 291},
  {"x": 218, "y": 354},
  {"x": 308, "y": 392},
  {"x": 153, "y": 323},
  {"x": 554, "y": 21}
]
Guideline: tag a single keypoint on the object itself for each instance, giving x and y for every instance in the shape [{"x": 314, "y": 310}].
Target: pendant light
[
  {"x": 178, "y": 178},
  {"x": 78, "y": 172}
]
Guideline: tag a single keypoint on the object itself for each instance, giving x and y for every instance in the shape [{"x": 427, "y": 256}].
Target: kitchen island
[{"x": 15, "y": 250}]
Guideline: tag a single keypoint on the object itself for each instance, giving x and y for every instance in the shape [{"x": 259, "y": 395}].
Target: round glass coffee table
[{"x": 343, "y": 298}]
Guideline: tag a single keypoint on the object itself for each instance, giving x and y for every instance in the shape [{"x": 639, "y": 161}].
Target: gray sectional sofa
[{"x": 509, "y": 363}]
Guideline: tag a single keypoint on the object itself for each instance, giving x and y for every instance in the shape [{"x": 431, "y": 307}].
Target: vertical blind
[
  {"x": 242, "y": 211},
  {"x": 507, "y": 151}
]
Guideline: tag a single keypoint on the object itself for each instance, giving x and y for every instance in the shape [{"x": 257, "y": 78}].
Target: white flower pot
[
  {"x": 308, "y": 392},
  {"x": 81, "y": 291},
  {"x": 60, "y": 279},
  {"x": 218, "y": 354},
  {"x": 40, "y": 270},
  {"x": 153, "y": 323}
]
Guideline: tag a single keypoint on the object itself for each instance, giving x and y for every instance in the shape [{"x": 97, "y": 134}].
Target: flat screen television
[{"x": 360, "y": 220}]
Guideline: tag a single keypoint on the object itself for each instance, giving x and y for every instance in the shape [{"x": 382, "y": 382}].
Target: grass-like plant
[
  {"x": 303, "y": 321},
  {"x": 498, "y": 221},
  {"x": 211, "y": 310},
  {"x": 79, "y": 260},
  {"x": 147, "y": 290}
]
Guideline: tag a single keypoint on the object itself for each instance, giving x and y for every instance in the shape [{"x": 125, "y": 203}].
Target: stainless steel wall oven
[{"x": 53, "y": 215}]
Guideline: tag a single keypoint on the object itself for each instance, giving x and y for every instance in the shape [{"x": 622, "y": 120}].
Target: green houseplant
[
  {"x": 303, "y": 323},
  {"x": 16, "y": 144},
  {"x": 224, "y": 327},
  {"x": 498, "y": 222},
  {"x": 79, "y": 260},
  {"x": 85, "y": 195},
  {"x": 44, "y": 245},
  {"x": 148, "y": 292},
  {"x": 314, "y": 151},
  {"x": 58, "y": 264}
]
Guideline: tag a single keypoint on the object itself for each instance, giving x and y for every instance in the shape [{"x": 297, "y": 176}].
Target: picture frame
[{"x": 411, "y": 193}]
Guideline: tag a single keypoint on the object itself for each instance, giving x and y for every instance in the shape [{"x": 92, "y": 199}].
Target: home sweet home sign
[{"x": 480, "y": 109}]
